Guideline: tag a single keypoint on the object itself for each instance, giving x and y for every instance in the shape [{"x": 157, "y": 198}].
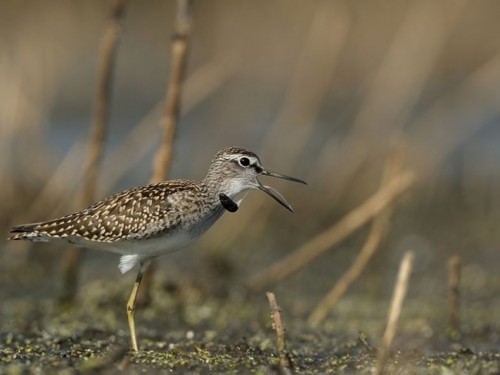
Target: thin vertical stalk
[
  {"x": 279, "y": 327},
  {"x": 179, "y": 51},
  {"x": 454, "y": 267},
  {"x": 398, "y": 298},
  {"x": 163, "y": 158},
  {"x": 97, "y": 137}
]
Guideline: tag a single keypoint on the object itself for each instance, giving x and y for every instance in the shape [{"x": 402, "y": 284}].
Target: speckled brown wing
[{"x": 133, "y": 214}]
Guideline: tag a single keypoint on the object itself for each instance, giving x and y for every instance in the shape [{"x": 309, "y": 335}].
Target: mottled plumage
[
  {"x": 145, "y": 222},
  {"x": 137, "y": 213},
  {"x": 138, "y": 223}
]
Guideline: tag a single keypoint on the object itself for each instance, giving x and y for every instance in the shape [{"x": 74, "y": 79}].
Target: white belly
[{"x": 134, "y": 251}]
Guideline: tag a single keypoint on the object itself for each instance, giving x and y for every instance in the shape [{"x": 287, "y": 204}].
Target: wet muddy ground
[{"x": 200, "y": 326}]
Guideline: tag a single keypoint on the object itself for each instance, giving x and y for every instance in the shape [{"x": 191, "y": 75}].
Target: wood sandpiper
[{"x": 145, "y": 222}]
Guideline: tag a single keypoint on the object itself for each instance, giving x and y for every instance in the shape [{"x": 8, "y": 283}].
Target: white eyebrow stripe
[{"x": 253, "y": 159}]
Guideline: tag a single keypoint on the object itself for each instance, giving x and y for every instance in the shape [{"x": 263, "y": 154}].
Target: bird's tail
[{"x": 24, "y": 232}]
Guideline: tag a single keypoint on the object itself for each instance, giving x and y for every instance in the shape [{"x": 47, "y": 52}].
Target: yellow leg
[{"x": 131, "y": 305}]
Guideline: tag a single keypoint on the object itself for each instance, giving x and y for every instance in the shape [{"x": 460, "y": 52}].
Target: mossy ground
[
  {"x": 92, "y": 351},
  {"x": 204, "y": 328}
]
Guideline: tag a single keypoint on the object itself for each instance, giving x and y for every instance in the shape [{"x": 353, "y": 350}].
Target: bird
[{"x": 145, "y": 222}]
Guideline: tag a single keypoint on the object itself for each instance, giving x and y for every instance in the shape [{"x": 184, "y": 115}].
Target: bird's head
[{"x": 236, "y": 170}]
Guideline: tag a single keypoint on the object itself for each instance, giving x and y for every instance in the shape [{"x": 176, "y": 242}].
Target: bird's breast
[{"x": 206, "y": 219}]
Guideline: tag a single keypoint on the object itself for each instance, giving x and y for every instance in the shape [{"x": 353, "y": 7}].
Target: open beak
[{"x": 275, "y": 194}]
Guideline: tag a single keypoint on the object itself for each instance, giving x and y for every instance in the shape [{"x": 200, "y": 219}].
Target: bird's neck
[
  {"x": 217, "y": 184},
  {"x": 215, "y": 180}
]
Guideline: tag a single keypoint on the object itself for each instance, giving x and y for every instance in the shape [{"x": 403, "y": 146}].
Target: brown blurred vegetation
[{"x": 319, "y": 89}]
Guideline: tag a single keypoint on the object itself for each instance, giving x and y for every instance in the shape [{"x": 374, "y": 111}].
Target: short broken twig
[
  {"x": 454, "y": 267},
  {"x": 279, "y": 327},
  {"x": 398, "y": 297}
]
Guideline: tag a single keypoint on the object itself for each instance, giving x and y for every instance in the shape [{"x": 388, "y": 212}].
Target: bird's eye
[{"x": 244, "y": 162}]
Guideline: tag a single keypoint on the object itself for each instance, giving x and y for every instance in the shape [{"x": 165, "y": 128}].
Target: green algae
[{"x": 189, "y": 328}]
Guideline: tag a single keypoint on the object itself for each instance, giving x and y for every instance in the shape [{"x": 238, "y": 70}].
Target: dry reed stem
[
  {"x": 97, "y": 138},
  {"x": 279, "y": 327},
  {"x": 163, "y": 159},
  {"x": 454, "y": 268},
  {"x": 398, "y": 297},
  {"x": 179, "y": 51},
  {"x": 107, "y": 53},
  {"x": 379, "y": 229},
  {"x": 336, "y": 233}
]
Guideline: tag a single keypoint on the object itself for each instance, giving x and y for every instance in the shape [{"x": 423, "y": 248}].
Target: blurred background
[{"x": 321, "y": 90}]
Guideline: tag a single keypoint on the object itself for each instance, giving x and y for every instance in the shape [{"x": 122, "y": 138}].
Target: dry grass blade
[
  {"x": 379, "y": 229},
  {"x": 454, "y": 267},
  {"x": 336, "y": 233},
  {"x": 398, "y": 297},
  {"x": 279, "y": 327},
  {"x": 170, "y": 118},
  {"x": 174, "y": 91},
  {"x": 377, "y": 233},
  {"x": 107, "y": 52}
]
